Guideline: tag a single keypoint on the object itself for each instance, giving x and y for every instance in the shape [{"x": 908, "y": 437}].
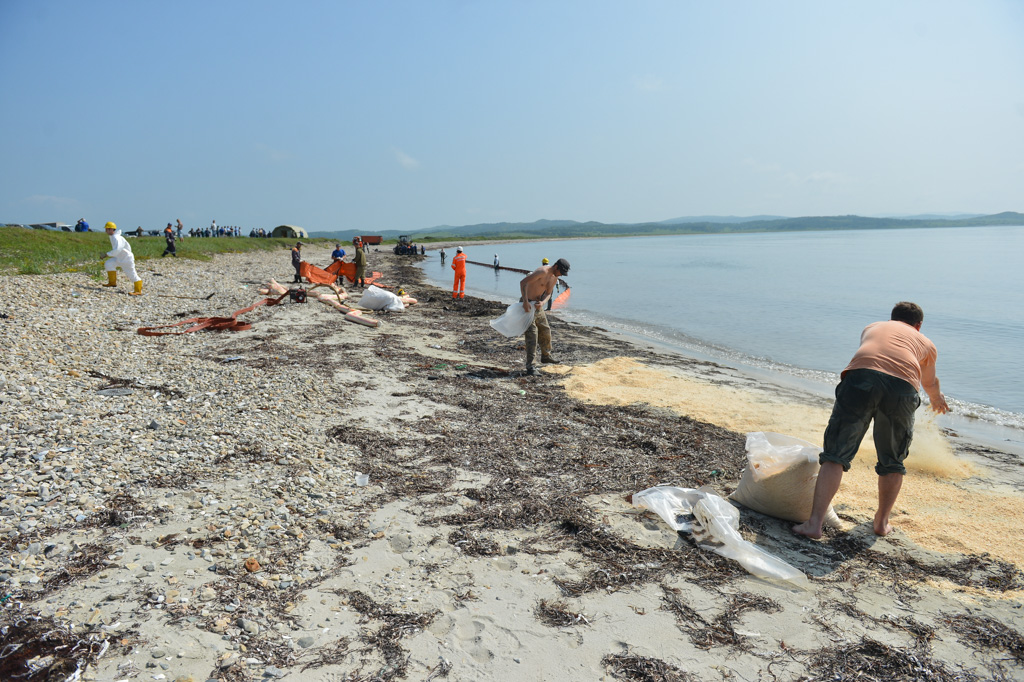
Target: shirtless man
[
  {"x": 536, "y": 288},
  {"x": 881, "y": 383}
]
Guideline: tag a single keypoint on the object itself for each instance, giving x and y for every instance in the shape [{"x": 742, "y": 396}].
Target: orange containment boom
[
  {"x": 561, "y": 300},
  {"x": 231, "y": 324}
]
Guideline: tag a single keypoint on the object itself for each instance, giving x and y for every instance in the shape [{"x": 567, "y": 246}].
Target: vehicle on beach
[{"x": 405, "y": 247}]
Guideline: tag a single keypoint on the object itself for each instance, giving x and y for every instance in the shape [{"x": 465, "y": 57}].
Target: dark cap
[{"x": 563, "y": 266}]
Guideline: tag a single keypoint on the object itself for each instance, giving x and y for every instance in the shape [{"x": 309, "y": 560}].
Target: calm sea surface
[{"x": 794, "y": 304}]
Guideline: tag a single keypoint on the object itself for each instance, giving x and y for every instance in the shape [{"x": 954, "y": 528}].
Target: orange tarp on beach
[{"x": 330, "y": 274}]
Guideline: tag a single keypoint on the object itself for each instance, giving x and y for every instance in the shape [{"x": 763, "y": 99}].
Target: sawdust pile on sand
[{"x": 933, "y": 509}]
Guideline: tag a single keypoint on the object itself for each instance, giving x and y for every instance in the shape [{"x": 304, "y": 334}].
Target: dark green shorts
[{"x": 864, "y": 395}]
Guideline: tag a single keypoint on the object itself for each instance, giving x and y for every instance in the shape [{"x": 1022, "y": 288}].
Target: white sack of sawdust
[{"x": 779, "y": 478}]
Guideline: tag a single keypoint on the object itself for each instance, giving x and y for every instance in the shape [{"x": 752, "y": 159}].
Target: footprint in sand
[{"x": 480, "y": 637}]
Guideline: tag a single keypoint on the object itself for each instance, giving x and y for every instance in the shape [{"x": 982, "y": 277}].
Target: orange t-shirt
[{"x": 897, "y": 349}]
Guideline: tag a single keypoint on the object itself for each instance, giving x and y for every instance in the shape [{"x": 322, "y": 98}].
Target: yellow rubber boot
[
  {"x": 111, "y": 278},
  {"x": 138, "y": 289}
]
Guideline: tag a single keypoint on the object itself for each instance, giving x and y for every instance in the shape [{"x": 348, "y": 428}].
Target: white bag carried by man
[
  {"x": 515, "y": 320},
  {"x": 780, "y": 477}
]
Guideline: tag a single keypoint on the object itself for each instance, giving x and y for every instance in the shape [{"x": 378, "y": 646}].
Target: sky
[{"x": 383, "y": 115}]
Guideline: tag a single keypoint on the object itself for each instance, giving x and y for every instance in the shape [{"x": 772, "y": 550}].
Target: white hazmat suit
[{"x": 120, "y": 255}]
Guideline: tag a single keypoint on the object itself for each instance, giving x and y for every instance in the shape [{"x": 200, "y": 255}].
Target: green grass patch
[{"x": 42, "y": 252}]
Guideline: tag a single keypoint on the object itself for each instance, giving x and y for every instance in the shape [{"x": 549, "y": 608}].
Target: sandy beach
[{"x": 185, "y": 507}]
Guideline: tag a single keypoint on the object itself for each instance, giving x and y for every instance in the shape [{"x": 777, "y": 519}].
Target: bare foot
[
  {"x": 883, "y": 529},
  {"x": 808, "y": 531}
]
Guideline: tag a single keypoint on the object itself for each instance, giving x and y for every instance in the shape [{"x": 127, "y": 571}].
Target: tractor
[{"x": 404, "y": 246}]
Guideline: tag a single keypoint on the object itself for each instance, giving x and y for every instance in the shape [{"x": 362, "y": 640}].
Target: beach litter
[{"x": 715, "y": 527}]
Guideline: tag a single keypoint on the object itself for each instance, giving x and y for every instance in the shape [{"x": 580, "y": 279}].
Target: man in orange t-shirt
[{"x": 881, "y": 383}]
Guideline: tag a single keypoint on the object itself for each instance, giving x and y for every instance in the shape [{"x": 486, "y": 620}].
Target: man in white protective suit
[{"x": 120, "y": 255}]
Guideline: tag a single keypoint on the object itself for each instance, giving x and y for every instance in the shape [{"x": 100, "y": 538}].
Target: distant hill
[
  {"x": 931, "y": 216},
  {"x": 719, "y": 219},
  {"x": 557, "y": 229}
]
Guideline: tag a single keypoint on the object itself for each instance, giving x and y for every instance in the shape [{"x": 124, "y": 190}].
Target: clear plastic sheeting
[
  {"x": 714, "y": 524},
  {"x": 515, "y": 320},
  {"x": 376, "y": 298}
]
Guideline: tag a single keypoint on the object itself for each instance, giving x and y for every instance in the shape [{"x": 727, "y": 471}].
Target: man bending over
[
  {"x": 881, "y": 383},
  {"x": 536, "y": 289}
]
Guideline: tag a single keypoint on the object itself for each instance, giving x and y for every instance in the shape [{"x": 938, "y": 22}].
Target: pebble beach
[{"x": 186, "y": 507}]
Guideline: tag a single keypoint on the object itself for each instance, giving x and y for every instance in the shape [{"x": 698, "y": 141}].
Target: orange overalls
[{"x": 459, "y": 266}]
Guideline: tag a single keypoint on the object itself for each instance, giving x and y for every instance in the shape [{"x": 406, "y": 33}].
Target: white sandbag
[
  {"x": 515, "y": 320},
  {"x": 376, "y": 298},
  {"x": 779, "y": 478},
  {"x": 715, "y": 527}
]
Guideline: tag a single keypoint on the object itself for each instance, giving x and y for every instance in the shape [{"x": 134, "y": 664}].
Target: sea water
[{"x": 793, "y": 304}]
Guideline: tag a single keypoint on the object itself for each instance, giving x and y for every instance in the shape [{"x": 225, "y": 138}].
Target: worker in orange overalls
[{"x": 459, "y": 266}]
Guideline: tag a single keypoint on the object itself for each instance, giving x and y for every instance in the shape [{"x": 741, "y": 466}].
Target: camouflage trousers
[{"x": 538, "y": 330}]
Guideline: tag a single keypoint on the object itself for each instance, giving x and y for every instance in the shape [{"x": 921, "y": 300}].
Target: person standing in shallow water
[
  {"x": 880, "y": 384},
  {"x": 535, "y": 289}
]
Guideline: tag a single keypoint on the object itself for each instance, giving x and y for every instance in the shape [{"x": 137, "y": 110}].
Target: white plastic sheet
[
  {"x": 376, "y": 298},
  {"x": 715, "y": 527},
  {"x": 515, "y": 320}
]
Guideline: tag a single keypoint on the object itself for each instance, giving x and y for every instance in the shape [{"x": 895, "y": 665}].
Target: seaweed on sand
[
  {"x": 557, "y": 614},
  {"x": 35, "y": 648},
  {"x": 88, "y": 560},
  {"x": 722, "y": 630},
  {"x": 643, "y": 669},
  {"x": 903, "y": 569},
  {"x": 118, "y": 382},
  {"x": 988, "y": 633},
  {"x": 385, "y": 640},
  {"x": 872, "y": 661},
  {"x": 120, "y": 509}
]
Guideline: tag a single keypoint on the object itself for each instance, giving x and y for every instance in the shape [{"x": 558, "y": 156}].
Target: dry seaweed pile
[
  {"x": 872, "y": 661},
  {"x": 643, "y": 669},
  {"x": 37, "y": 648},
  {"x": 557, "y": 614}
]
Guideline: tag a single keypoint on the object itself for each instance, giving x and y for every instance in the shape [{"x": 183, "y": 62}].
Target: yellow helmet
[
  {"x": 543, "y": 262},
  {"x": 110, "y": 226}
]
